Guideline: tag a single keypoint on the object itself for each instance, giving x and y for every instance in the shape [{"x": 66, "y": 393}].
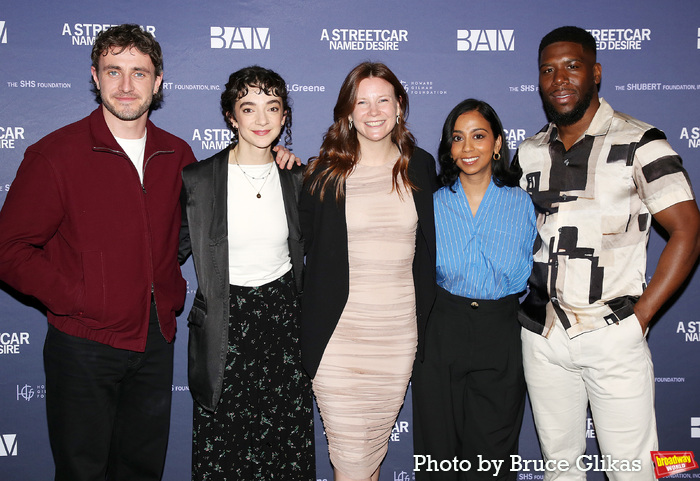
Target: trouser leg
[
  {"x": 142, "y": 423},
  {"x": 82, "y": 382},
  {"x": 469, "y": 392},
  {"x": 621, "y": 395},
  {"x": 559, "y": 401},
  {"x": 434, "y": 434},
  {"x": 493, "y": 401}
]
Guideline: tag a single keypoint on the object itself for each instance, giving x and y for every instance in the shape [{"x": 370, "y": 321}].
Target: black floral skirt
[{"x": 262, "y": 428}]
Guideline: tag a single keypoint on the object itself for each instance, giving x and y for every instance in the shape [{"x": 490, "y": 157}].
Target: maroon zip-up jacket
[{"x": 82, "y": 234}]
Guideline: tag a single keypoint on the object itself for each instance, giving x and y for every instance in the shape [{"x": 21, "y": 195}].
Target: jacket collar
[{"x": 103, "y": 140}]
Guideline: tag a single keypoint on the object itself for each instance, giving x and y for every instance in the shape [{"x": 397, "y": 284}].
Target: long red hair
[{"x": 340, "y": 148}]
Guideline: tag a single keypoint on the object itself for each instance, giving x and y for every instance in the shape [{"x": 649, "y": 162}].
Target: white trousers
[{"x": 611, "y": 369}]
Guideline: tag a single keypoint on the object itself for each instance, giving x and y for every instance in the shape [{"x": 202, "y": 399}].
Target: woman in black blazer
[
  {"x": 253, "y": 407},
  {"x": 367, "y": 218}
]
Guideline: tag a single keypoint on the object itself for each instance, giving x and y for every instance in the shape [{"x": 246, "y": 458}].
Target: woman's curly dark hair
[{"x": 256, "y": 77}]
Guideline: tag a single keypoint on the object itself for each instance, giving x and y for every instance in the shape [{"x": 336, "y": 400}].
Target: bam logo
[
  {"x": 3, "y": 32},
  {"x": 242, "y": 38},
  {"x": 485, "y": 40},
  {"x": 8, "y": 445}
]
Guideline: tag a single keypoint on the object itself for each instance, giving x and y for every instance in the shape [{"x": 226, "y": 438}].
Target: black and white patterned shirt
[{"x": 594, "y": 204}]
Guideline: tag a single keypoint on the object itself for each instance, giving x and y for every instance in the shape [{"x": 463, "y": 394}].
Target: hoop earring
[
  {"x": 350, "y": 125},
  {"x": 398, "y": 117},
  {"x": 496, "y": 156}
]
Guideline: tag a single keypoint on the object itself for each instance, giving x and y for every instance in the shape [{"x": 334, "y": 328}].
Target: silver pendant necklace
[{"x": 248, "y": 176}]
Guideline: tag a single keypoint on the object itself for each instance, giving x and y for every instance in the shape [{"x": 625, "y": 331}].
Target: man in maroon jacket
[{"x": 90, "y": 228}]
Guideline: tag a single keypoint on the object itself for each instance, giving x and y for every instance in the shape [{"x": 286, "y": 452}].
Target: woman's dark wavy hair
[
  {"x": 340, "y": 148},
  {"x": 255, "y": 77},
  {"x": 502, "y": 172},
  {"x": 120, "y": 38}
]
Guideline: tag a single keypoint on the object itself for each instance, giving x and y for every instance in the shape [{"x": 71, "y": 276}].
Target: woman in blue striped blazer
[{"x": 469, "y": 390}]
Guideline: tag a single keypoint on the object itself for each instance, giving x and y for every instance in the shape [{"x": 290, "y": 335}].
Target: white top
[
  {"x": 257, "y": 227},
  {"x": 134, "y": 148}
]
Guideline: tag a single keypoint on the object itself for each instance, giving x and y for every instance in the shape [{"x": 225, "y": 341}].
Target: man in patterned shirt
[{"x": 596, "y": 177}]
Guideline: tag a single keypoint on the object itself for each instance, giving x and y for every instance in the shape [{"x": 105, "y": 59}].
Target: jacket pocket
[
  {"x": 93, "y": 282},
  {"x": 198, "y": 312}
]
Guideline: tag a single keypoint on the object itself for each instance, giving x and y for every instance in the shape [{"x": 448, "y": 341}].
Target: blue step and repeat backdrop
[{"x": 442, "y": 51}]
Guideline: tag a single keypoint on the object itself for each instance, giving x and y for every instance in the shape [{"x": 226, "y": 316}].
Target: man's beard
[
  {"x": 571, "y": 117},
  {"x": 127, "y": 114}
]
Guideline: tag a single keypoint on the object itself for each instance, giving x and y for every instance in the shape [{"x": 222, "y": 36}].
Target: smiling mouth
[
  {"x": 469, "y": 160},
  {"x": 126, "y": 99},
  {"x": 374, "y": 123},
  {"x": 562, "y": 96},
  {"x": 261, "y": 132}
]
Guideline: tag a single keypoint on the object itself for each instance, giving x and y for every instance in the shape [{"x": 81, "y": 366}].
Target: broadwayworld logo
[
  {"x": 3, "y": 32},
  {"x": 668, "y": 463},
  {"x": 241, "y": 38},
  {"x": 485, "y": 40},
  {"x": 8, "y": 445}
]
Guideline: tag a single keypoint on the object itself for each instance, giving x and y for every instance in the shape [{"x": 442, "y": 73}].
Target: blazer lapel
[
  {"x": 291, "y": 201},
  {"x": 218, "y": 231},
  {"x": 423, "y": 199}
]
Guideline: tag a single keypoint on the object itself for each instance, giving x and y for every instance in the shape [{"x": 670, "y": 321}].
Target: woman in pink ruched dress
[{"x": 367, "y": 219}]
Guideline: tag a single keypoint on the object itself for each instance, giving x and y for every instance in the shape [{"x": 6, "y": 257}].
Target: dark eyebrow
[
  {"x": 117, "y": 67},
  {"x": 564, "y": 60},
  {"x": 456, "y": 131},
  {"x": 273, "y": 101}
]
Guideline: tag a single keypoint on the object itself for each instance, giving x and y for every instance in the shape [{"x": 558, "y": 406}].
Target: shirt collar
[{"x": 599, "y": 125}]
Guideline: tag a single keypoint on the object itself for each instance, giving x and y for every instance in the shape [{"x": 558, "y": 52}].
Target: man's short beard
[
  {"x": 569, "y": 118},
  {"x": 127, "y": 114}
]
